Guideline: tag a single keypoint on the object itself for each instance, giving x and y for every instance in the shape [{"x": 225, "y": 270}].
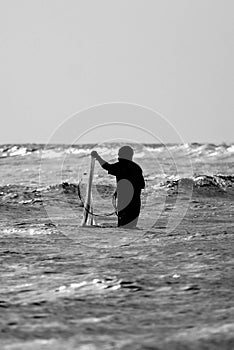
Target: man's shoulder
[
  {"x": 137, "y": 166},
  {"x": 130, "y": 164}
]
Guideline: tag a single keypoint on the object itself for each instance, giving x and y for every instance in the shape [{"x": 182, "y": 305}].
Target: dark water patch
[
  {"x": 131, "y": 286},
  {"x": 4, "y": 304},
  {"x": 11, "y": 252}
]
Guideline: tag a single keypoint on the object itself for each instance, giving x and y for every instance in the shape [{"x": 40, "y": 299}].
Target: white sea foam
[
  {"x": 92, "y": 286},
  {"x": 230, "y": 149}
]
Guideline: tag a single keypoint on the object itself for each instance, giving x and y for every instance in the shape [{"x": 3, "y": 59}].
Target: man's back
[{"x": 128, "y": 170}]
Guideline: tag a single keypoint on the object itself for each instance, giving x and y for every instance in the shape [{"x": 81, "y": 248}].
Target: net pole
[{"x": 88, "y": 199}]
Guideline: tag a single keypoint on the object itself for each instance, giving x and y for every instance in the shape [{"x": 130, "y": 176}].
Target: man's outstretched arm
[
  {"x": 104, "y": 164},
  {"x": 95, "y": 155}
]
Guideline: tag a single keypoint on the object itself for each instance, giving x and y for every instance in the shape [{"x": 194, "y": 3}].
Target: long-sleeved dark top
[{"x": 127, "y": 170}]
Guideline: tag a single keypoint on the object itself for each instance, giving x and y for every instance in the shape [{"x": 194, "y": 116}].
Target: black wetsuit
[{"x": 130, "y": 182}]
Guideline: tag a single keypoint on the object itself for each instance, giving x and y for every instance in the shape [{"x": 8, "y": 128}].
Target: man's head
[{"x": 126, "y": 152}]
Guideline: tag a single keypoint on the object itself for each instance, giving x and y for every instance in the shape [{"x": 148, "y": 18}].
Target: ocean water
[{"x": 167, "y": 285}]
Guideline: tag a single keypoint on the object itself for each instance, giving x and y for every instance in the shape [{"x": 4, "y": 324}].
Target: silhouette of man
[{"x": 130, "y": 182}]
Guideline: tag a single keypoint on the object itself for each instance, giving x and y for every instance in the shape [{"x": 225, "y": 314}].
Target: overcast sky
[{"x": 60, "y": 56}]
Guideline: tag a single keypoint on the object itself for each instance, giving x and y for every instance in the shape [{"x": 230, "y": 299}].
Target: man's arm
[
  {"x": 104, "y": 164},
  {"x": 95, "y": 155}
]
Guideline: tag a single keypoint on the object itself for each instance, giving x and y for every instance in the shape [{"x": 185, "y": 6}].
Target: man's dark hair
[{"x": 126, "y": 152}]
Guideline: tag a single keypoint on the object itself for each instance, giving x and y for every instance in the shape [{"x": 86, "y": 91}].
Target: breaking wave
[
  {"x": 53, "y": 151},
  {"x": 202, "y": 185},
  {"x": 19, "y": 194}
]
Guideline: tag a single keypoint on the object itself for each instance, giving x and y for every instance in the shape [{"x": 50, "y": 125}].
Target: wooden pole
[{"x": 88, "y": 206}]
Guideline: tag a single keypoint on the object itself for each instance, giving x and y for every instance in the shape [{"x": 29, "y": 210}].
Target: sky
[{"x": 110, "y": 59}]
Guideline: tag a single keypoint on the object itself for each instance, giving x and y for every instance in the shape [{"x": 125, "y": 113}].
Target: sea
[{"x": 166, "y": 285}]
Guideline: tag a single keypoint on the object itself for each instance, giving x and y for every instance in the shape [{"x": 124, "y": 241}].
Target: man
[{"x": 130, "y": 182}]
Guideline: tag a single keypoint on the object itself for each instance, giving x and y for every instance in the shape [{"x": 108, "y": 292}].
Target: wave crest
[
  {"x": 203, "y": 185},
  {"x": 54, "y": 151}
]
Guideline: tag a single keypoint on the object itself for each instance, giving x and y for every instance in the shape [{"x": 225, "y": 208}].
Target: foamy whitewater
[{"x": 167, "y": 285}]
